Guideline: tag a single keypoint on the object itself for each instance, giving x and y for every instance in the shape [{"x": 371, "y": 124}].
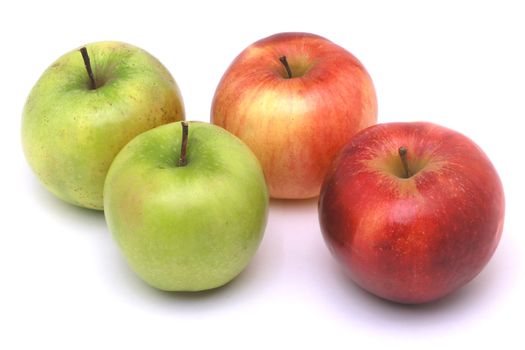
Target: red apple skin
[
  {"x": 295, "y": 126},
  {"x": 412, "y": 240}
]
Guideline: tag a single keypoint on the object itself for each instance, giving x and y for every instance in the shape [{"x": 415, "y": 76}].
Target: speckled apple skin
[
  {"x": 70, "y": 133},
  {"x": 412, "y": 240},
  {"x": 188, "y": 228},
  {"x": 295, "y": 126}
]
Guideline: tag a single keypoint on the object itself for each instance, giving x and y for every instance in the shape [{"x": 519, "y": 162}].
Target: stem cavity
[
  {"x": 87, "y": 63},
  {"x": 286, "y": 66},
  {"x": 183, "y": 161}
]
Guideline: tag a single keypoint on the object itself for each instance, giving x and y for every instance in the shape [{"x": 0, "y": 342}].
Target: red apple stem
[
  {"x": 403, "y": 155},
  {"x": 284, "y": 61},
  {"x": 183, "y": 161},
  {"x": 87, "y": 63}
]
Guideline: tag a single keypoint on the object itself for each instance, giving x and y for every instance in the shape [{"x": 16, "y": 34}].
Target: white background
[{"x": 63, "y": 282}]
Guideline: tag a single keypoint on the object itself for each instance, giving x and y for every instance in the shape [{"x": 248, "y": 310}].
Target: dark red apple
[
  {"x": 413, "y": 211},
  {"x": 295, "y": 99}
]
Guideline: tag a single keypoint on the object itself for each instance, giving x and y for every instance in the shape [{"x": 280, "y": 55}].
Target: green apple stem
[
  {"x": 286, "y": 66},
  {"x": 87, "y": 63},
  {"x": 183, "y": 161},
  {"x": 403, "y": 155}
]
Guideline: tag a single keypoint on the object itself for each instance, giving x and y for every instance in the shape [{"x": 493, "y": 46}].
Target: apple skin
[
  {"x": 412, "y": 240},
  {"x": 70, "y": 133},
  {"x": 295, "y": 126},
  {"x": 186, "y": 228}
]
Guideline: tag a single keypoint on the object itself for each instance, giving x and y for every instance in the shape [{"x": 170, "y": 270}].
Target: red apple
[
  {"x": 413, "y": 211},
  {"x": 295, "y": 99}
]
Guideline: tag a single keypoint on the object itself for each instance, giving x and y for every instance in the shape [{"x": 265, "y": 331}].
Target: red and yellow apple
[
  {"x": 413, "y": 211},
  {"x": 295, "y": 99}
]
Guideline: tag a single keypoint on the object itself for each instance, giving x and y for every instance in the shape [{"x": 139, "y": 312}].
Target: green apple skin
[
  {"x": 71, "y": 133},
  {"x": 186, "y": 228}
]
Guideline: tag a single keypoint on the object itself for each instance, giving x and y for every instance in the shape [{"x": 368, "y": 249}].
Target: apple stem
[
  {"x": 183, "y": 160},
  {"x": 403, "y": 155},
  {"x": 87, "y": 63},
  {"x": 286, "y": 66}
]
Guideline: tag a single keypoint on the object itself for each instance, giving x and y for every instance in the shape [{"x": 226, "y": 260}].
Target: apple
[
  {"x": 85, "y": 107},
  {"x": 187, "y": 205},
  {"x": 413, "y": 211},
  {"x": 295, "y": 99}
]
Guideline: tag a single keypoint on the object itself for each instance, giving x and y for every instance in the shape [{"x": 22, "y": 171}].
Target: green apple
[
  {"x": 85, "y": 107},
  {"x": 187, "y": 210}
]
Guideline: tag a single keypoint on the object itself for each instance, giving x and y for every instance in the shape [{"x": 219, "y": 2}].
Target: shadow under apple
[
  {"x": 65, "y": 211},
  {"x": 479, "y": 296}
]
